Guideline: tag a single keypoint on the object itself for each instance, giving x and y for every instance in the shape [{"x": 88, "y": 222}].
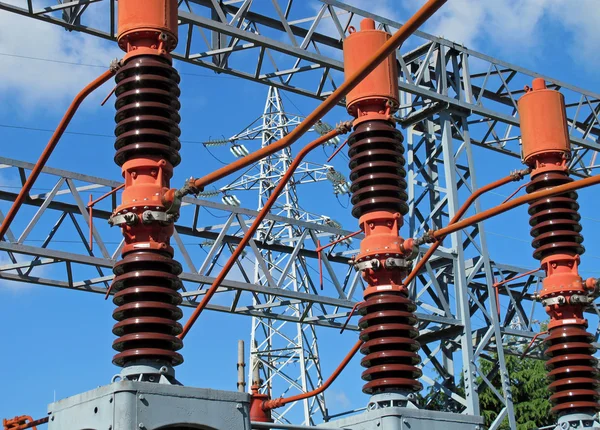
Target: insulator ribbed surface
[
  {"x": 146, "y": 287},
  {"x": 391, "y": 351},
  {"x": 147, "y": 110},
  {"x": 554, "y": 220},
  {"x": 572, "y": 370},
  {"x": 377, "y": 169}
]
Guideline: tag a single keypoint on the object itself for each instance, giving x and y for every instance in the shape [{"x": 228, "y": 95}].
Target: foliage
[{"x": 529, "y": 393}]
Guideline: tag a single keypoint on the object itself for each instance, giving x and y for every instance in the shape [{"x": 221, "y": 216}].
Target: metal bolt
[
  {"x": 239, "y": 406},
  {"x": 141, "y": 425},
  {"x": 141, "y": 397}
]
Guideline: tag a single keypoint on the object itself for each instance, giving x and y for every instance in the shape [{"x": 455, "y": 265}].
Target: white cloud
[
  {"x": 519, "y": 25},
  {"x": 469, "y": 22},
  {"x": 501, "y": 27},
  {"x": 383, "y": 8},
  {"x": 337, "y": 399},
  {"x": 13, "y": 286},
  {"x": 580, "y": 19},
  {"x": 34, "y": 83}
]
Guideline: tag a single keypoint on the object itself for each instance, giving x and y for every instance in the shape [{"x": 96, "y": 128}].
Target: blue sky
[{"x": 58, "y": 341}]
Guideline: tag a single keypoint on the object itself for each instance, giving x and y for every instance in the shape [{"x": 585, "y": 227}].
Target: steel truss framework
[
  {"x": 283, "y": 47},
  {"x": 61, "y": 213},
  {"x": 452, "y": 99}
]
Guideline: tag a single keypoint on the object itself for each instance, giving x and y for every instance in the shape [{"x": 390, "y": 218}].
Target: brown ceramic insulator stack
[
  {"x": 391, "y": 351},
  {"x": 388, "y": 321},
  {"x": 146, "y": 282},
  {"x": 147, "y": 110},
  {"x": 377, "y": 168},
  {"x": 378, "y": 177},
  {"x": 146, "y": 293},
  {"x": 554, "y": 220},
  {"x": 557, "y": 241},
  {"x": 572, "y": 370},
  {"x": 571, "y": 366}
]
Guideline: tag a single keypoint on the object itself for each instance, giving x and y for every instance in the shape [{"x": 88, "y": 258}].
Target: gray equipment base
[
  {"x": 131, "y": 405},
  {"x": 397, "y": 418},
  {"x": 583, "y": 421}
]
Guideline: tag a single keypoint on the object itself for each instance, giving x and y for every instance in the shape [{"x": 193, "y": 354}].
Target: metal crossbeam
[{"x": 480, "y": 86}]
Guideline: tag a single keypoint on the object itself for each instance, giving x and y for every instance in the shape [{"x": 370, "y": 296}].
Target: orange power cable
[
  {"x": 277, "y": 403},
  {"x": 516, "y": 176},
  {"x": 258, "y": 220},
  {"x": 482, "y": 216},
  {"x": 62, "y": 126},
  {"x": 379, "y": 56},
  {"x": 23, "y": 422}
]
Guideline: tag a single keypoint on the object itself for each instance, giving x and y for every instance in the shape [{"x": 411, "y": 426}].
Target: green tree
[{"x": 529, "y": 393}]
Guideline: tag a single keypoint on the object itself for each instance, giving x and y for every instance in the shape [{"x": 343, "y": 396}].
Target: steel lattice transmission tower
[{"x": 286, "y": 353}]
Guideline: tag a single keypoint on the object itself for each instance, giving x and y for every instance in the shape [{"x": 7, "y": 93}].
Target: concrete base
[
  {"x": 395, "y": 418},
  {"x": 131, "y": 405}
]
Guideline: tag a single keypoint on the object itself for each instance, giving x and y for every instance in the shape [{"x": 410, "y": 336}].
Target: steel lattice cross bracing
[
  {"x": 452, "y": 99},
  {"x": 211, "y": 33}
]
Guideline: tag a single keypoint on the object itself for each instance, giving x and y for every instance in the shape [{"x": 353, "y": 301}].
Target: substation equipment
[{"x": 147, "y": 395}]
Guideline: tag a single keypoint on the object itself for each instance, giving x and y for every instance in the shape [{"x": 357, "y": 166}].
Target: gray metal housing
[
  {"x": 399, "y": 418},
  {"x": 131, "y": 405}
]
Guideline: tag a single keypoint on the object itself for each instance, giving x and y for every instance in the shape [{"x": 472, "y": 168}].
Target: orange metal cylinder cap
[
  {"x": 543, "y": 123},
  {"x": 367, "y": 24},
  {"x": 144, "y": 22},
  {"x": 380, "y": 88}
]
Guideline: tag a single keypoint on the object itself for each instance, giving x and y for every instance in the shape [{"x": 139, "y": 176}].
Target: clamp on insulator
[
  {"x": 391, "y": 263},
  {"x": 575, "y": 299},
  {"x": 127, "y": 219},
  {"x": 164, "y": 218},
  {"x": 580, "y": 299},
  {"x": 558, "y": 300},
  {"x": 426, "y": 238},
  {"x": 373, "y": 264}
]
